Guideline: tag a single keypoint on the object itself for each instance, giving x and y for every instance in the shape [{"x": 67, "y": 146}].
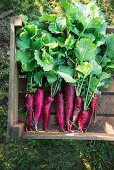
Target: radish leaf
[
  {"x": 85, "y": 50},
  {"x": 67, "y": 70},
  {"x": 38, "y": 77},
  {"x": 66, "y": 77},
  {"x": 23, "y": 56},
  {"x": 86, "y": 68},
  {"x": 46, "y": 62},
  {"x": 31, "y": 29},
  {"x": 46, "y": 17},
  {"x": 51, "y": 77}
]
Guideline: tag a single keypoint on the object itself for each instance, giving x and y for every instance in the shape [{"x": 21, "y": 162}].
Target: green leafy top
[
  {"x": 85, "y": 50},
  {"x": 73, "y": 47}
]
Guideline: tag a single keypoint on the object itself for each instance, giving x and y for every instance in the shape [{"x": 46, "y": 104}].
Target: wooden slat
[
  {"x": 16, "y": 91},
  {"x": 110, "y": 89},
  {"x": 22, "y": 84},
  {"x": 52, "y": 124},
  {"x": 105, "y": 105},
  {"x": 103, "y": 125},
  {"x": 11, "y": 77},
  {"x": 22, "y": 98},
  {"x": 17, "y": 21},
  {"x": 110, "y": 29},
  {"x": 13, "y": 80},
  {"x": 103, "y": 130},
  {"x": 17, "y": 130},
  {"x": 62, "y": 135},
  {"x": 21, "y": 118},
  {"x": 21, "y": 103}
]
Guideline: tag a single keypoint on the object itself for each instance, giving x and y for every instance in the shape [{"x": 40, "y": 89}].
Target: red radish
[
  {"x": 29, "y": 98},
  {"x": 78, "y": 103},
  {"x": 46, "y": 111},
  {"x": 69, "y": 97},
  {"x": 83, "y": 116},
  {"x": 39, "y": 96},
  {"x": 59, "y": 107},
  {"x": 93, "y": 109}
]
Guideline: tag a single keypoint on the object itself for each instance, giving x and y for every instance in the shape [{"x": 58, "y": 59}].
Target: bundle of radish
[
  {"x": 74, "y": 48},
  {"x": 29, "y": 99},
  {"x": 59, "y": 109},
  {"x": 39, "y": 96}
]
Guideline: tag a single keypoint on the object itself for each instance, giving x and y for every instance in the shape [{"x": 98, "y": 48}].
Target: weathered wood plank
[
  {"x": 52, "y": 124},
  {"x": 13, "y": 80},
  {"x": 62, "y": 135},
  {"x": 17, "y": 21},
  {"x": 103, "y": 125},
  {"x": 22, "y": 84},
  {"x": 110, "y": 89},
  {"x": 110, "y": 29},
  {"x": 103, "y": 130},
  {"x": 22, "y": 98},
  {"x": 21, "y": 103},
  {"x": 17, "y": 130},
  {"x": 21, "y": 118},
  {"x": 105, "y": 105},
  {"x": 16, "y": 82}
]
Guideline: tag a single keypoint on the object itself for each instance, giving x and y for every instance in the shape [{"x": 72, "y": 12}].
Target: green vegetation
[
  {"x": 52, "y": 154},
  {"x": 45, "y": 154}
]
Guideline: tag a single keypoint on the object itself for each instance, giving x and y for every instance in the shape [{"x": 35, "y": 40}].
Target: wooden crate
[{"x": 103, "y": 130}]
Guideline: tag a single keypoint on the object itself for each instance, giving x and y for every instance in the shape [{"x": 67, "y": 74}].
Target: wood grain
[
  {"x": 17, "y": 130},
  {"x": 110, "y": 29},
  {"x": 22, "y": 84},
  {"x": 17, "y": 21},
  {"x": 110, "y": 89},
  {"x": 62, "y": 135},
  {"x": 104, "y": 130},
  {"x": 13, "y": 77},
  {"x": 105, "y": 105},
  {"x": 103, "y": 124},
  {"x": 21, "y": 118}
]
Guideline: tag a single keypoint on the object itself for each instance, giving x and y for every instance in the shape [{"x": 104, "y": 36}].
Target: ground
[{"x": 44, "y": 154}]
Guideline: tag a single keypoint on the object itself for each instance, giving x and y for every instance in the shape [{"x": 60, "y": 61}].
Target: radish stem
[{"x": 85, "y": 106}]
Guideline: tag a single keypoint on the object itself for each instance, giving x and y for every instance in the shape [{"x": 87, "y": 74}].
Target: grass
[
  {"x": 45, "y": 154},
  {"x": 52, "y": 154}
]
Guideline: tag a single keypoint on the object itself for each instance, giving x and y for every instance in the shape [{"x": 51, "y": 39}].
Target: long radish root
[
  {"x": 59, "y": 109},
  {"x": 69, "y": 93},
  {"x": 39, "y": 96},
  {"x": 93, "y": 110},
  {"x": 83, "y": 116},
  {"x": 29, "y": 99},
  {"x": 46, "y": 111},
  {"x": 78, "y": 103}
]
